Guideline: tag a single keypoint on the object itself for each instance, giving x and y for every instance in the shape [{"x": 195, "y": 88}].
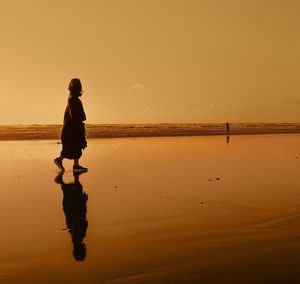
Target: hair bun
[{"x": 75, "y": 87}]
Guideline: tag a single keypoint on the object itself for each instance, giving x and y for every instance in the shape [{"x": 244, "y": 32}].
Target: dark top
[{"x": 74, "y": 112}]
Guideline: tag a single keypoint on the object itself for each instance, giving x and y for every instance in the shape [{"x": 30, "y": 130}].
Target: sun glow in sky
[{"x": 151, "y": 60}]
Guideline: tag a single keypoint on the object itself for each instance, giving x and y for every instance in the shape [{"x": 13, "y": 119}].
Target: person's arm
[{"x": 76, "y": 110}]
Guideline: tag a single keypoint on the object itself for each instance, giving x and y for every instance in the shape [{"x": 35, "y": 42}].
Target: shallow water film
[{"x": 153, "y": 210}]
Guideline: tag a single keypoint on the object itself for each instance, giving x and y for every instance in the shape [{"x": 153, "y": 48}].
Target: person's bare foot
[
  {"x": 79, "y": 169},
  {"x": 58, "y": 162},
  {"x": 58, "y": 179}
]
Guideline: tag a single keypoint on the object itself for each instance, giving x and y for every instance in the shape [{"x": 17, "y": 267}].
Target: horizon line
[{"x": 142, "y": 123}]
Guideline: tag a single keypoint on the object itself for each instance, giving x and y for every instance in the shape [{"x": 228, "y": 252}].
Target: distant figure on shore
[
  {"x": 73, "y": 132},
  {"x": 75, "y": 209},
  {"x": 227, "y": 126}
]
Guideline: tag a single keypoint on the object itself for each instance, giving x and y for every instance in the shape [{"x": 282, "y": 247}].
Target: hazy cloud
[
  {"x": 198, "y": 109},
  {"x": 238, "y": 108},
  {"x": 135, "y": 87},
  {"x": 216, "y": 108},
  {"x": 289, "y": 101},
  {"x": 145, "y": 110},
  {"x": 211, "y": 107},
  {"x": 198, "y": 113}
]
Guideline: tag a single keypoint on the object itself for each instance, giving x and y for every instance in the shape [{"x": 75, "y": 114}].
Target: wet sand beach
[
  {"x": 160, "y": 210},
  {"x": 36, "y": 132}
]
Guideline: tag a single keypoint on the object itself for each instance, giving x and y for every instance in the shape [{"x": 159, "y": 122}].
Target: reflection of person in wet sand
[
  {"x": 75, "y": 209},
  {"x": 228, "y": 131}
]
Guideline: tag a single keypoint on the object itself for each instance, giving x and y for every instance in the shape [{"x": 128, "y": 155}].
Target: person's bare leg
[
  {"x": 58, "y": 162},
  {"x": 77, "y": 167},
  {"x": 76, "y": 177}
]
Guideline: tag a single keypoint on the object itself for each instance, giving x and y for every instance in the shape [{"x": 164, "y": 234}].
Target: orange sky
[{"x": 151, "y": 60}]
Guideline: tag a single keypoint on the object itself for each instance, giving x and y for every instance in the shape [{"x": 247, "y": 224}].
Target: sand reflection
[
  {"x": 75, "y": 209},
  {"x": 227, "y": 139},
  {"x": 170, "y": 210}
]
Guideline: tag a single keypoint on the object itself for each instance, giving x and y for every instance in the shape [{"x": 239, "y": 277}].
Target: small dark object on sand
[
  {"x": 116, "y": 187},
  {"x": 209, "y": 180},
  {"x": 217, "y": 178}
]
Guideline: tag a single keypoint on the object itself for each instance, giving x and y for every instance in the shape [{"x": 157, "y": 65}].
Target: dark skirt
[{"x": 73, "y": 140}]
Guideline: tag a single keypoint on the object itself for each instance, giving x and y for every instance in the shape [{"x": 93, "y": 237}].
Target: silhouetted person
[
  {"x": 75, "y": 209},
  {"x": 227, "y": 127},
  {"x": 73, "y": 132}
]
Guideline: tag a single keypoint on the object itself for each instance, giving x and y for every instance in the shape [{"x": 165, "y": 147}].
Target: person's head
[
  {"x": 79, "y": 251},
  {"x": 75, "y": 87}
]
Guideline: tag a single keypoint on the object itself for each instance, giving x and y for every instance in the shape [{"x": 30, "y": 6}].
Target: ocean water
[{"x": 153, "y": 210}]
